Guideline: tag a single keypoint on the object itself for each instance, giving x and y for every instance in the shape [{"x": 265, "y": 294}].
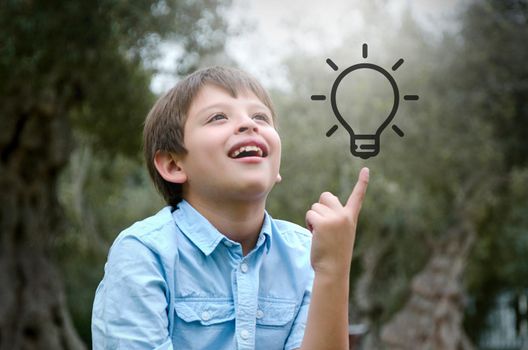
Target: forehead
[{"x": 214, "y": 96}]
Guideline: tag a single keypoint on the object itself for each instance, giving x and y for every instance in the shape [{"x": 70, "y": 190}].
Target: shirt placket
[{"x": 247, "y": 288}]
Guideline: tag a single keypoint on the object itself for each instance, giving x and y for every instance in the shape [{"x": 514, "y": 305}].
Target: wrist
[{"x": 333, "y": 275}]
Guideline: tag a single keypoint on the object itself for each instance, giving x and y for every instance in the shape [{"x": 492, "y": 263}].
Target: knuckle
[
  {"x": 344, "y": 218},
  {"x": 311, "y": 215},
  {"x": 326, "y": 195}
]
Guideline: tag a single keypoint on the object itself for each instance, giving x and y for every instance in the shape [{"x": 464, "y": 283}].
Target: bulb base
[{"x": 364, "y": 146}]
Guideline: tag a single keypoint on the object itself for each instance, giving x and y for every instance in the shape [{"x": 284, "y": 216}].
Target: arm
[
  {"x": 130, "y": 306},
  {"x": 334, "y": 229}
]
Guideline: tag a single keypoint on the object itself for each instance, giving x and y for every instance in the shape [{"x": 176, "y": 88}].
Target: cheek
[
  {"x": 273, "y": 137},
  {"x": 276, "y": 141},
  {"x": 204, "y": 144}
]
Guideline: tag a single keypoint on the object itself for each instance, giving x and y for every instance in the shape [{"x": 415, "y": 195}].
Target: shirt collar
[
  {"x": 265, "y": 232},
  {"x": 204, "y": 235}
]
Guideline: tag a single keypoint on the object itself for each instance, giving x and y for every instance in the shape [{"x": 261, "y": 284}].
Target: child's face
[{"x": 233, "y": 149}]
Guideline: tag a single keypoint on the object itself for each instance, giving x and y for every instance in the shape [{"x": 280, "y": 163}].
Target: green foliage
[
  {"x": 462, "y": 158},
  {"x": 91, "y": 63},
  {"x": 495, "y": 33},
  {"x": 101, "y": 196},
  {"x": 92, "y": 60}
]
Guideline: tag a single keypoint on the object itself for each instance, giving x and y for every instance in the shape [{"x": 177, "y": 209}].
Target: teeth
[{"x": 235, "y": 153}]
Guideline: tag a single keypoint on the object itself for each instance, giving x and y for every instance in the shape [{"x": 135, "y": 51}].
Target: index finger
[{"x": 356, "y": 197}]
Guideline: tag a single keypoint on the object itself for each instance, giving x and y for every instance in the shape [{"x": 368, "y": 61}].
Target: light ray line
[
  {"x": 318, "y": 97},
  {"x": 397, "y": 130},
  {"x": 397, "y": 64},
  {"x": 331, "y": 131},
  {"x": 331, "y": 64},
  {"x": 365, "y": 50}
]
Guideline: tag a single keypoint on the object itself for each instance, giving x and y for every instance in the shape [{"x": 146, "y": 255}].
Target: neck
[{"x": 239, "y": 221}]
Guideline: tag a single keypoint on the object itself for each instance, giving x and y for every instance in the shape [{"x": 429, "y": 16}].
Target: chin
[{"x": 254, "y": 190}]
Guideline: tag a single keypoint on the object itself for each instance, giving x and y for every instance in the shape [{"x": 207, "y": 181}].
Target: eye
[
  {"x": 262, "y": 117},
  {"x": 216, "y": 117}
]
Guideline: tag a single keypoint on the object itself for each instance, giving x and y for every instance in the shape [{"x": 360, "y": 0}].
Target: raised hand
[{"x": 334, "y": 229}]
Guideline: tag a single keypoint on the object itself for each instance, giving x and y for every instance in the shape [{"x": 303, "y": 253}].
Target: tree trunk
[
  {"x": 432, "y": 317},
  {"x": 34, "y": 146},
  {"x": 366, "y": 306}
]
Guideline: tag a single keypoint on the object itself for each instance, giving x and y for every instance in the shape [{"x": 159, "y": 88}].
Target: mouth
[{"x": 249, "y": 149}]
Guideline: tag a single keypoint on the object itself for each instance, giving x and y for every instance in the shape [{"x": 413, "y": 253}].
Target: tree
[
  {"x": 488, "y": 77},
  {"x": 444, "y": 191},
  {"x": 494, "y": 34},
  {"x": 64, "y": 66}
]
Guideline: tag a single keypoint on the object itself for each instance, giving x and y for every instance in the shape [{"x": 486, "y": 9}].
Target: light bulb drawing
[{"x": 364, "y": 145}]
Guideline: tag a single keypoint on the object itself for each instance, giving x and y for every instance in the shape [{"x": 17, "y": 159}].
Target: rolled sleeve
[{"x": 130, "y": 306}]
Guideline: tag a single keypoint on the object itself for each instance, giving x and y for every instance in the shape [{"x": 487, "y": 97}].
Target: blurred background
[{"x": 440, "y": 261}]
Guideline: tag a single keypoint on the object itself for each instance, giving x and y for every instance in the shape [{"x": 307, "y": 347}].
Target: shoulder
[
  {"x": 292, "y": 234},
  {"x": 155, "y": 233},
  {"x": 291, "y": 246}
]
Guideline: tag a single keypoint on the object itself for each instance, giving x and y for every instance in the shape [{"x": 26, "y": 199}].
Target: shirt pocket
[
  {"x": 275, "y": 318},
  {"x": 275, "y": 312},
  {"x": 205, "y": 311}
]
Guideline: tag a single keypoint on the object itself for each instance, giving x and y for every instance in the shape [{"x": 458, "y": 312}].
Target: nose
[{"x": 247, "y": 125}]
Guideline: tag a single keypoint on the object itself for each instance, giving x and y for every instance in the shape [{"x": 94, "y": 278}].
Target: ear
[
  {"x": 279, "y": 179},
  {"x": 169, "y": 167}
]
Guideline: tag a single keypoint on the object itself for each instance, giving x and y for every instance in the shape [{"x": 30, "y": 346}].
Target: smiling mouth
[{"x": 248, "y": 151}]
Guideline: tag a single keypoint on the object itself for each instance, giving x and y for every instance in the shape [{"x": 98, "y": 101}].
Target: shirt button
[
  {"x": 260, "y": 313},
  {"x": 244, "y": 267},
  {"x": 228, "y": 244},
  {"x": 206, "y": 316},
  {"x": 244, "y": 334}
]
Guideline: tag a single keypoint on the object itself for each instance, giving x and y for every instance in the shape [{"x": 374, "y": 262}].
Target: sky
[{"x": 275, "y": 29}]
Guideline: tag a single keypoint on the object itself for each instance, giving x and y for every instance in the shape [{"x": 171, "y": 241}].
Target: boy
[{"x": 213, "y": 270}]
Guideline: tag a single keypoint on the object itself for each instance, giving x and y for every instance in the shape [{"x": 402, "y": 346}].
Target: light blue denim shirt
[{"x": 173, "y": 281}]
